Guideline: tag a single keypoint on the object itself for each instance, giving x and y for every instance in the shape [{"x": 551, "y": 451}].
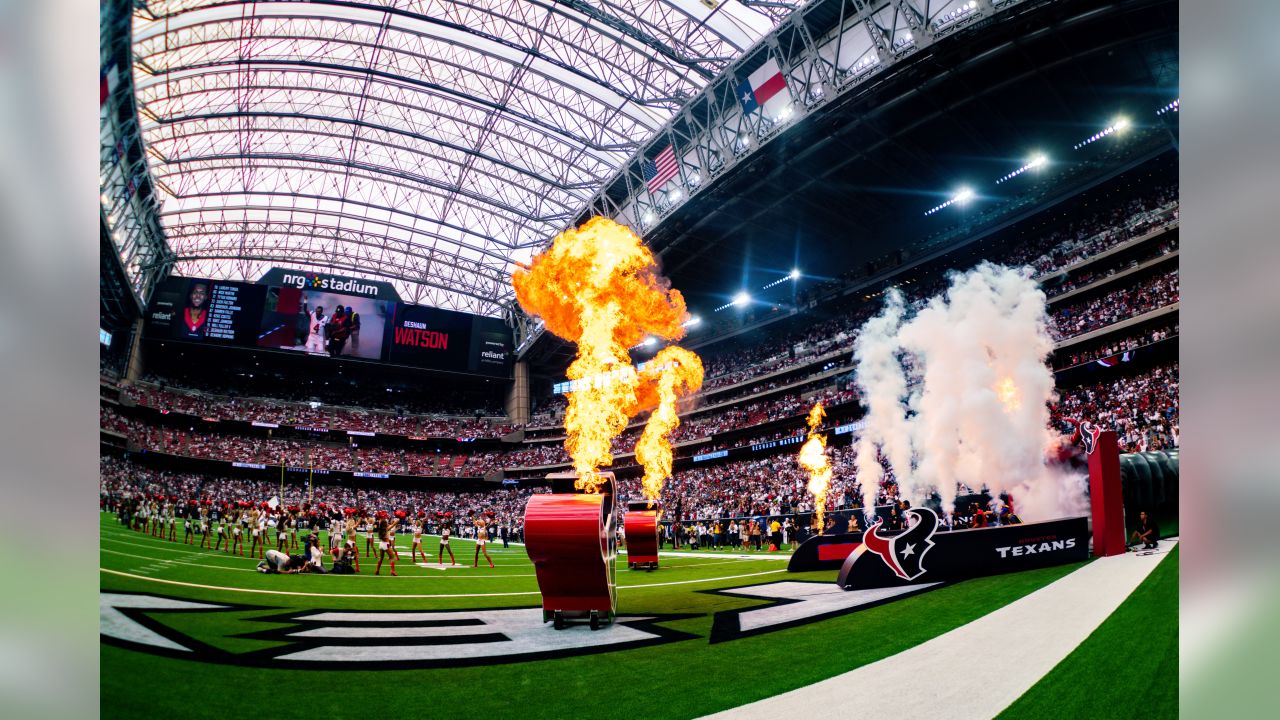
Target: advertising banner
[{"x": 922, "y": 554}]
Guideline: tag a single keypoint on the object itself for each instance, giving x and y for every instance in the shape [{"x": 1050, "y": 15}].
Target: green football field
[{"x": 270, "y": 645}]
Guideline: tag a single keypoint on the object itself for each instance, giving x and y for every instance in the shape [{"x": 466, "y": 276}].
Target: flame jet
[
  {"x": 813, "y": 458},
  {"x": 598, "y": 286},
  {"x": 676, "y": 372}
]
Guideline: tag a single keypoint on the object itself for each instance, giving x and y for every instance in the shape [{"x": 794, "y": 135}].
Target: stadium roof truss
[
  {"x": 428, "y": 143},
  {"x": 825, "y": 50}
]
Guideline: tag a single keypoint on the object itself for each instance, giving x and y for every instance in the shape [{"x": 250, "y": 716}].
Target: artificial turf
[
  {"x": 1127, "y": 668},
  {"x": 681, "y": 679}
]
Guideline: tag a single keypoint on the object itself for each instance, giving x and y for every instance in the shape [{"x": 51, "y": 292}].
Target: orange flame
[
  {"x": 598, "y": 286},
  {"x": 813, "y": 458},
  {"x": 676, "y": 372},
  {"x": 1008, "y": 393}
]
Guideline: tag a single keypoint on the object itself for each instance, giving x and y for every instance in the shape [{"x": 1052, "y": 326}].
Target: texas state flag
[{"x": 762, "y": 86}]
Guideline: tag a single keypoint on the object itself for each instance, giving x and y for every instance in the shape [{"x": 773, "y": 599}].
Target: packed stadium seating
[{"x": 805, "y": 362}]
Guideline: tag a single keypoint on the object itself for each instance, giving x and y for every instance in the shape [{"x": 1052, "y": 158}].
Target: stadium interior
[{"x": 395, "y": 163}]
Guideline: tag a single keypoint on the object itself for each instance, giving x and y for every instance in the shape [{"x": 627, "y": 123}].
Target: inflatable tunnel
[{"x": 1149, "y": 481}]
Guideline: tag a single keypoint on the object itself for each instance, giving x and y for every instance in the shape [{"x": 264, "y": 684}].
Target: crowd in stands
[
  {"x": 118, "y": 478},
  {"x": 1099, "y": 233},
  {"x": 321, "y": 416},
  {"x": 390, "y": 395},
  {"x": 298, "y": 453},
  {"x": 1101, "y": 270},
  {"x": 1133, "y": 341},
  {"x": 1121, "y": 303},
  {"x": 729, "y": 362},
  {"x": 1141, "y": 408}
]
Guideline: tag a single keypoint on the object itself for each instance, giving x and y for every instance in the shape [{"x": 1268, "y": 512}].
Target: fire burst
[
  {"x": 598, "y": 286},
  {"x": 1007, "y": 391},
  {"x": 676, "y": 372},
  {"x": 813, "y": 458}
]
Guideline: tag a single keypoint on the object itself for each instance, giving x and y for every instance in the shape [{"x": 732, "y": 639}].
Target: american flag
[{"x": 660, "y": 170}]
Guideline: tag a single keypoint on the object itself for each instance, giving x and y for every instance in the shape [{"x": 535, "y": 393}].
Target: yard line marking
[
  {"x": 382, "y": 596},
  {"x": 393, "y": 596},
  {"x": 689, "y": 582},
  {"x": 164, "y": 564}
]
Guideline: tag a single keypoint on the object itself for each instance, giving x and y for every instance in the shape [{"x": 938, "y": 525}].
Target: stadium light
[
  {"x": 1171, "y": 107},
  {"x": 648, "y": 217},
  {"x": 1038, "y": 160},
  {"x": 1117, "y": 126},
  {"x": 740, "y": 299},
  {"x": 693, "y": 321},
  {"x": 793, "y": 275},
  {"x": 962, "y": 197},
  {"x": 676, "y": 195},
  {"x": 650, "y": 341}
]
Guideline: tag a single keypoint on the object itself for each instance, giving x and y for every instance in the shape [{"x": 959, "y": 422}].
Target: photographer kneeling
[{"x": 312, "y": 561}]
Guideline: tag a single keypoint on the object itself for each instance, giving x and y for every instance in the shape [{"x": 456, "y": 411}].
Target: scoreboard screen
[
  {"x": 206, "y": 311},
  {"x": 445, "y": 340},
  {"x": 281, "y": 317}
]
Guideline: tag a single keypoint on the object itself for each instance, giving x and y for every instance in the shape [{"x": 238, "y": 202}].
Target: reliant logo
[
  {"x": 491, "y": 355},
  {"x": 330, "y": 283},
  {"x": 1034, "y": 548}
]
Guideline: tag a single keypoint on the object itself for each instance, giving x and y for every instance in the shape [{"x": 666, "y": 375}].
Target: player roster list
[{"x": 224, "y": 304}]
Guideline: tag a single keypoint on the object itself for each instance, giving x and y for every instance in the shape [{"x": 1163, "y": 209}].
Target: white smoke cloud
[
  {"x": 957, "y": 394},
  {"x": 883, "y": 386}
]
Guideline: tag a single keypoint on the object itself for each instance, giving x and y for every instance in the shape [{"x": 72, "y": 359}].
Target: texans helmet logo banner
[
  {"x": 1089, "y": 436},
  {"x": 904, "y": 554}
]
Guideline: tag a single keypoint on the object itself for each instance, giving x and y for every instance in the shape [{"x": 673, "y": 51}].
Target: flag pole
[{"x": 281, "y": 478}]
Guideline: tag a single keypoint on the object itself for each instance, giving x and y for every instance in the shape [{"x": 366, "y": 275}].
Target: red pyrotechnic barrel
[
  {"x": 571, "y": 538},
  {"x": 641, "y": 527}
]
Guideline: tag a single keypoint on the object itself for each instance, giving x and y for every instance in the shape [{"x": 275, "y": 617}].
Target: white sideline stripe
[
  {"x": 738, "y": 556},
  {"x": 939, "y": 676},
  {"x": 412, "y": 597}
]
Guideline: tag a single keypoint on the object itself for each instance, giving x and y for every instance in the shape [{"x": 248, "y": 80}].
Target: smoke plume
[{"x": 958, "y": 393}]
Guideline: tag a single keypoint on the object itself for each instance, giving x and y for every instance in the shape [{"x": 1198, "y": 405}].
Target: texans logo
[
  {"x": 904, "y": 554},
  {"x": 1089, "y": 436}
]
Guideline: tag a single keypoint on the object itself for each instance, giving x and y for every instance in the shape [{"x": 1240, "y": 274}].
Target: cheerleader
[
  {"x": 282, "y": 529},
  {"x": 444, "y": 544},
  {"x": 417, "y": 541},
  {"x": 351, "y": 549},
  {"x": 188, "y": 533},
  {"x": 262, "y": 533},
  {"x": 368, "y": 536},
  {"x": 204, "y": 528},
  {"x": 237, "y": 533},
  {"x": 293, "y": 531},
  {"x": 253, "y": 532},
  {"x": 391, "y": 539},
  {"x": 482, "y": 536},
  {"x": 221, "y": 526},
  {"x": 386, "y": 546},
  {"x": 172, "y": 516}
]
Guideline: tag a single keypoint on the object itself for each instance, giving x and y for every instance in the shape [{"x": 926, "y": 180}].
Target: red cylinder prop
[
  {"x": 641, "y": 527},
  {"x": 571, "y": 539}
]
